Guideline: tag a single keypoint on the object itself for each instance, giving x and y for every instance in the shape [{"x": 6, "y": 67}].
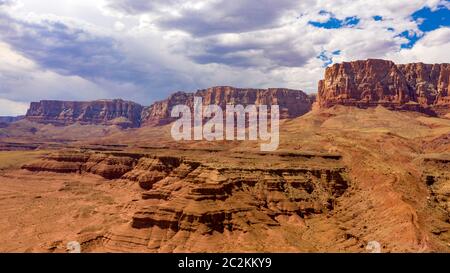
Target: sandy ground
[
  {"x": 388, "y": 199},
  {"x": 42, "y": 212}
]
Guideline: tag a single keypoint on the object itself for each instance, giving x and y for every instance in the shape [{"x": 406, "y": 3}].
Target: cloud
[
  {"x": 228, "y": 17},
  {"x": 94, "y": 60},
  {"x": 141, "y": 6},
  {"x": 144, "y": 50},
  {"x": 65, "y": 49},
  {"x": 203, "y": 18},
  {"x": 432, "y": 48},
  {"x": 429, "y": 19},
  {"x": 12, "y": 108},
  {"x": 333, "y": 22},
  {"x": 7, "y": 2}
]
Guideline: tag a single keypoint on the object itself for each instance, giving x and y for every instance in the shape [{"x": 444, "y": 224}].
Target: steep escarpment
[
  {"x": 186, "y": 198},
  {"x": 105, "y": 112},
  {"x": 293, "y": 103},
  {"x": 436, "y": 175},
  {"x": 7, "y": 120},
  {"x": 417, "y": 86}
]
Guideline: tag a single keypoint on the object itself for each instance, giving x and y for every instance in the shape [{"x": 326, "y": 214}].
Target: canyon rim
[{"x": 218, "y": 127}]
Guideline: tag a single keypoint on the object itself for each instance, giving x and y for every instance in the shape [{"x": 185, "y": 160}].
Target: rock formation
[
  {"x": 293, "y": 103},
  {"x": 416, "y": 86},
  {"x": 106, "y": 112},
  {"x": 184, "y": 197},
  {"x": 6, "y": 120}
]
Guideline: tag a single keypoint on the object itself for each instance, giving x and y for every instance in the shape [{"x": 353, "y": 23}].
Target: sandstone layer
[
  {"x": 106, "y": 112},
  {"x": 292, "y": 103},
  {"x": 342, "y": 177},
  {"x": 183, "y": 198},
  {"x": 416, "y": 86}
]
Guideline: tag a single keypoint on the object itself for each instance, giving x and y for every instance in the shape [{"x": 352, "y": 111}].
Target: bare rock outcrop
[
  {"x": 416, "y": 86},
  {"x": 105, "y": 112},
  {"x": 183, "y": 198},
  {"x": 293, "y": 103}
]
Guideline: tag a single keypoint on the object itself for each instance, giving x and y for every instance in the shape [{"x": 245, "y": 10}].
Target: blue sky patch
[
  {"x": 377, "y": 18},
  {"x": 334, "y": 23},
  {"x": 327, "y": 58},
  {"x": 412, "y": 38},
  {"x": 429, "y": 20}
]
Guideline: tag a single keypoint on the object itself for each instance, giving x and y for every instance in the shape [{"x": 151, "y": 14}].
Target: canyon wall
[
  {"x": 416, "y": 86},
  {"x": 106, "y": 112},
  {"x": 293, "y": 103}
]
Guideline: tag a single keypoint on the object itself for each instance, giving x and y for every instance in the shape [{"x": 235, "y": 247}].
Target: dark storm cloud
[
  {"x": 285, "y": 56},
  {"x": 212, "y": 18},
  {"x": 139, "y": 6},
  {"x": 249, "y": 53},
  {"x": 7, "y": 2},
  {"x": 205, "y": 24},
  {"x": 73, "y": 51},
  {"x": 67, "y": 50}
]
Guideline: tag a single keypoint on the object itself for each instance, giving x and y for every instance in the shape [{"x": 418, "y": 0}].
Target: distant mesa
[
  {"x": 6, "y": 120},
  {"x": 105, "y": 112},
  {"x": 416, "y": 86},
  {"x": 293, "y": 103}
]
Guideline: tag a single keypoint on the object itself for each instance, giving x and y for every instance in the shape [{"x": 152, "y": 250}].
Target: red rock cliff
[
  {"x": 293, "y": 103},
  {"x": 120, "y": 112},
  {"x": 416, "y": 86}
]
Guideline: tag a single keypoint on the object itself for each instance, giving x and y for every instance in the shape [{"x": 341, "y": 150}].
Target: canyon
[
  {"x": 417, "y": 86},
  {"x": 292, "y": 103},
  {"x": 366, "y": 161}
]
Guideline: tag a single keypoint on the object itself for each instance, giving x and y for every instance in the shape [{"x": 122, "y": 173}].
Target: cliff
[
  {"x": 107, "y": 112},
  {"x": 293, "y": 103},
  {"x": 417, "y": 86}
]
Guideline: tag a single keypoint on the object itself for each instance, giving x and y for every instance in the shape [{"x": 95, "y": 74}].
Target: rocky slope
[
  {"x": 187, "y": 197},
  {"x": 416, "y": 86},
  {"x": 107, "y": 112},
  {"x": 342, "y": 177},
  {"x": 6, "y": 120},
  {"x": 293, "y": 103}
]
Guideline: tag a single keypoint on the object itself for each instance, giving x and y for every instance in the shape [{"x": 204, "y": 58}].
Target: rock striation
[
  {"x": 105, "y": 112},
  {"x": 6, "y": 120},
  {"x": 293, "y": 103},
  {"x": 184, "y": 197},
  {"x": 416, "y": 86}
]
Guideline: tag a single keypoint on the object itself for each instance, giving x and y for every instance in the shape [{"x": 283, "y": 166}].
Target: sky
[{"x": 145, "y": 50}]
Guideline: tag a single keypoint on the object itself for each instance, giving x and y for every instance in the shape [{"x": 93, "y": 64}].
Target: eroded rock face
[
  {"x": 106, "y": 112},
  {"x": 5, "y": 121},
  {"x": 293, "y": 103},
  {"x": 416, "y": 86},
  {"x": 436, "y": 175},
  {"x": 184, "y": 198}
]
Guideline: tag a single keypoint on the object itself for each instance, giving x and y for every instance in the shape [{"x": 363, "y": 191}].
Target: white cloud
[
  {"x": 432, "y": 48},
  {"x": 143, "y": 50},
  {"x": 119, "y": 26},
  {"x": 12, "y": 108}
]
